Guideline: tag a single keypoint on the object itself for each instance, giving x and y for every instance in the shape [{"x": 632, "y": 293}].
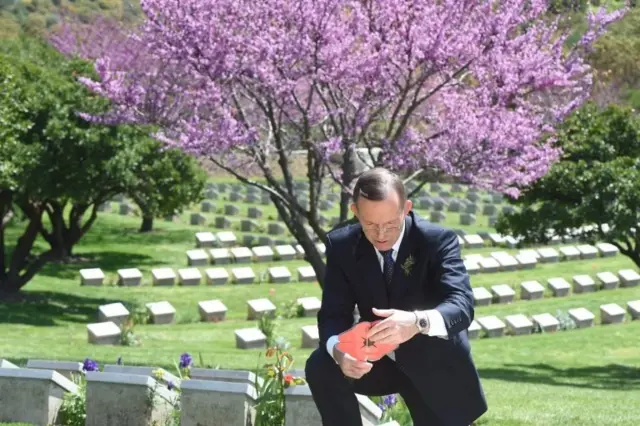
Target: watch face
[{"x": 423, "y": 323}]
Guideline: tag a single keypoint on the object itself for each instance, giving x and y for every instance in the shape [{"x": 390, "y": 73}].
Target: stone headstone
[
  {"x": 68, "y": 369},
  {"x": 559, "y": 286},
  {"x": 474, "y": 241},
  {"x": 231, "y": 210},
  {"x": 476, "y": 258},
  {"x": 6, "y": 364},
  {"x": 489, "y": 264},
  {"x": 509, "y": 240},
  {"x": 211, "y": 194},
  {"x": 607, "y": 249},
  {"x": 197, "y": 219},
  {"x": 212, "y": 310},
  {"x": 250, "y": 338},
  {"x": 608, "y": 280},
  {"x": 205, "y": 239},
  {"x": 220, "y": 256},
  {"x": 104, "y": 207},
  {"x": 159, "y": 374},
  {"x": 103, "y": 333},
  {"x": 502, "y": 293},
  {"x": 163, "y": 277},
  {"x": 481, "y": 296},
  {"x": 217, "y": 276},
  {"x": 518, "y": 324},
  {"x": 467, "y": 219},
  {"x": 582, "y": 317},
  {"x": 546, "y": 322},
  {"x": 611, "y": 313},
  {"x": 587, "y": 251},
  {"x": 161, "y": 312},
  {"x": 251, "y": 198},
  {"x": 125, "y": 209},
  {"x": 492, "y": 326},
  {"x": 508, "y": 209},
  {"x": 439, "y": 204},
  {"x": 634, "y": 309},
  {"x": 189, "y": 276},
  {"x": 437, "y": 217},
  {"x": 531, "y": 290},
  {"x": 33, "y": 397},
  {"x": 254, "y": 212},
  {"x": 548, "y": 255},
  {"x": 129, "y": 277},
  {"x": 235, "y": 196},
  {"x": 472, "y": 196},
  {"x": 263, "y": 253},
  {"x": 474, "y": 329},
  {"x": 197, "y": 257},
  {"x": 455, "y": 206},
  {"x": 526, "y": 261},
  {"x": 425, "y": 203},
  {"x": 471, "y": 209},
  {"x": 91, "y": 276},
  {"x": 583, "y": 284},
  {"x": 310, "y": 305},
  {"x": 489, "y": 210},
  {"x": 115, "y": 312},
  {"x": 279, "y": 274},
  {"x": 243, "y": 275},
  {"x": 249, "y": 240},
  {"x": 275, "y": 228},
  {"x": 628, "y": 278},
  {"x": 506, "y": 262},
  {"x": 471, "y": 267},
  {"x": 115, "y": 399},
  {"x": 286, "y": 252},
  {"x": 310, "y": 337},
  {"x": 222, "y": 222},
  {"x": 207, "y": 207},
  {"x": 227, "y": 238},
  {"x": 257, "y": 308},
  {"x": 264, "y": 240},
  {"x": 569, "y": 253},
  {"x": 206, "y": 402},
  {"x": 496, "y": 239},
  {"x": 249, "y": 225},
  {"x": 241, "y": 254},
  {"x": 306, "y": 274}
]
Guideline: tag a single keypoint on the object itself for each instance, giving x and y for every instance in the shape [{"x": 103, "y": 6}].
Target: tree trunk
[
  {"x": 348, "y": 176},
  {"x": 147, "y": 224}
]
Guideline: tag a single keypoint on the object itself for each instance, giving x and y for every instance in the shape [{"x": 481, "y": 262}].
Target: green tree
[
  {"x": 165, "y": 182},
  {"x": 595, "y": 187}
]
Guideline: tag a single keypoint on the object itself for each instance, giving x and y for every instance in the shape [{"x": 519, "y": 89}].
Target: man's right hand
[{"x": 350, "y": 366}]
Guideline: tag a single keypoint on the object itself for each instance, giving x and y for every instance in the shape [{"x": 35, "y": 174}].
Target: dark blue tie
[{"x": 387, "y": 270}]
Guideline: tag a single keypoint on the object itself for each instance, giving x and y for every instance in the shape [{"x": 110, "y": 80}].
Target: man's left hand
[{"x": 397, "y": 327}]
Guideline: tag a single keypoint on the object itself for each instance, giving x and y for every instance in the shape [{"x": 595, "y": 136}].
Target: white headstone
[
  {"x": 607, "y": 249},
  {"x": 220, "y": 256},
  {"x": 582, "y": 317},
  {"x": 611, "y": 313},
  {"x": 243, "y": 275},
  {"x": 492, "y": 325},
  {"x": 197, "y": 257},
  {"x": 161, "y": 312},
  {"x": 91, "y": 276},
  {"x": 474, "y": 241},
  {"x": 104, "y": 333},
  {"x": 242, "y": 254},
  {"x": 548, "y": 255},
  {"x": 129, "y": 277},
  {"x": 114, "y": 312},
  {"x": 546, "y": 322},
  {"x": 286, "y": 252},
  {"x": 310, "y": 336},
  {"x": 628, "y": 277},
  {"x": 587, "y": 251},
  {"x": 212, "y": 310},
  {"x": 310, "y": 305},
  {"x": 279, "y": 274},
  {"x": 475, "y": 258},
  {"x": 608, "y": 280},
  {"x": 189, "y": 276},
  {"x": 583, "y": 283},
  {"x": 471, "y": 267},
  {"x": 569, "y": 253},
  {"x": 507, "y": 262},
  {"x": 306, "y": 273},
  {"x": 518, "y": 324},
  {"x": 559, "y": 286},
  {"x": 526, "y": 260},
  {"x": 227, "y": 238},
  {"x": 259, "y": 307},
  {"x": 205, "y": 239},
  {"x": 299, "y": 251},
  {"x": 634, "y": 309},
  {"x": 496, "y": 239},
  {"x": 263, "y": 253},
  {"x": 481, "y": 296},
  {"x": 489, "y": 264},
  {"x": 503, "y": 293},
  {"x": 68, "y": 369},
  {"x": 250, "y": 338},
  {"x": 163, "y": 276},
  {"x": 217, "y": 276},
  {"x": 473, "y": 331},
  {"x": 531, "y": 290}
]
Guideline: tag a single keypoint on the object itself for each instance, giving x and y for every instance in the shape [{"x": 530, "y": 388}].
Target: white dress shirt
[{"x": 436, "y": 322}]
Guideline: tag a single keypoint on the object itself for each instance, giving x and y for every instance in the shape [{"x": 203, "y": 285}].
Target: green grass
[{"x": 578, "y": 377}]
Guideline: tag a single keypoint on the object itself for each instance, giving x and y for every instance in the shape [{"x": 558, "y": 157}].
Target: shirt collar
[{"x": 396, "y": 246}]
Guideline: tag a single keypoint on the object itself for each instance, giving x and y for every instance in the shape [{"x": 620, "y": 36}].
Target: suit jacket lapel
[
  {"x": 369, "y": 267},
  {"x": 401, "y": 279}
]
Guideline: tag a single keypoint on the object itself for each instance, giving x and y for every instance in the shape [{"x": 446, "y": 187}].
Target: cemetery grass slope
[{"x": 577, "y": 377}]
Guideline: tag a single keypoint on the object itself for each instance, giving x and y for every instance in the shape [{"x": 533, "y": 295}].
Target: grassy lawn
[{"x": 578, "y": 377}]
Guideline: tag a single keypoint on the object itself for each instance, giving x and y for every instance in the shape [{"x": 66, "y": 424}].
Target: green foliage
[
  {"x": 291, "y": 309},
  {"x": 564, "y": 6},
  {"x": 594, "y": 184},
  {"x": 268, "y": 326},
  {"x": 73, "y": 409}
]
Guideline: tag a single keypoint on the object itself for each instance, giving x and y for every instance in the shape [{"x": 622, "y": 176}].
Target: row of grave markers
[{"x": 140, "y": 396}]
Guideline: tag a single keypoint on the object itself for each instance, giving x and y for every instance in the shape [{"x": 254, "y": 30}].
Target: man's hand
[
  {"x": 397, "y": 327},
  {"x": 350, "y": 366}
]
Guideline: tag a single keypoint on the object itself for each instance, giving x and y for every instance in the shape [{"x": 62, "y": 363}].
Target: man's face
[{"x": 381, "y": 220}]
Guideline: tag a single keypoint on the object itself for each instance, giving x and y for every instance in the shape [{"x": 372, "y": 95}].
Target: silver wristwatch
[{"x": 422, "y": 321}]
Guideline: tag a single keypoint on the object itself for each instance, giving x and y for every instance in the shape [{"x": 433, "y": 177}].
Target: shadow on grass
[
  {"x": 610, "y": 377},
  {"x": 105, "y": 260},
  {"x": 48, "y": 308}
]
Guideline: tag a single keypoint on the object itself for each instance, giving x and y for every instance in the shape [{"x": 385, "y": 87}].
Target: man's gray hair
[{"x": 375, "y": 185}]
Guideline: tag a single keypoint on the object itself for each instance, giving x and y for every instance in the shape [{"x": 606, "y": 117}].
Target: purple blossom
[
  {"x": 389, "y": 400},
  {"x": 170, "y": 385},
  {"x": 185, "y": 360},
  {"x": 119, "y": 361},
  {"x": 90, "y": 365}
]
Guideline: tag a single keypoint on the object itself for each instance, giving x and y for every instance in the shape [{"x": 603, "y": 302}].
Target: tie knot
[{"x": 387, "y": 254}]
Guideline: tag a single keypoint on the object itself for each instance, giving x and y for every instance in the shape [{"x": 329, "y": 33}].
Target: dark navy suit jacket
[{"x": 441, "y": 369}]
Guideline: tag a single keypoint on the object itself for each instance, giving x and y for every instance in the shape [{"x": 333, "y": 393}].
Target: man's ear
[
  {"x": 408, "y": 205},
  {"x": 354, "y": 209}
]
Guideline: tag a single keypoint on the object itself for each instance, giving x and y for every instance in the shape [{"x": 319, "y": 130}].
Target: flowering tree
[{"x": 462, "y": 87}]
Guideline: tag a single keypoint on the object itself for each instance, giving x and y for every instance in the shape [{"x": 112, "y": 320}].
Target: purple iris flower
[
  {"x": 170, "y": 385},
  {"x": 185, "y": 360},
  {"x": 90, "y": 365}
]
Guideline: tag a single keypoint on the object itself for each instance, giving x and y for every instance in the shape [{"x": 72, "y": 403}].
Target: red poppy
[{"x": 355, "y": 343}]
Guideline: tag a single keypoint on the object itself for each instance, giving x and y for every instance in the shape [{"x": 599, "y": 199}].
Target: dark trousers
[{"x": 334, "y": 394}]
